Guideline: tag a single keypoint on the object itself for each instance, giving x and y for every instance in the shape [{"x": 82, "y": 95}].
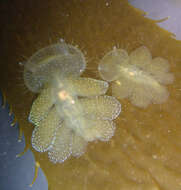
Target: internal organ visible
[{"x": 137, "y": 76}]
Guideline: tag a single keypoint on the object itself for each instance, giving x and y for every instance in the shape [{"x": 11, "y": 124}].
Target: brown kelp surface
[{"x": 145, "y": 151}]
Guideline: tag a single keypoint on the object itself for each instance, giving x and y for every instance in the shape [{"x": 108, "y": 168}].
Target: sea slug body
[
  {"x": 136, "y": 76},
  {"x": 71, "y": 122},
  {"x": 70, "y": 110}
]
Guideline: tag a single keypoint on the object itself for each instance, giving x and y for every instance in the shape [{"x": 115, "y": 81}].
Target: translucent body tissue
[
  {"x": 60, "y": 57},
  {"x": 137, "y": 76}
]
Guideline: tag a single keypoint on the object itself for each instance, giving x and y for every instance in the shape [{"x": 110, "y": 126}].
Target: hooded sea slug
[
  {"x": 62, "y": 57},
  {"x": 136, "y": 76},
  {"x": 70, "y": 110}
]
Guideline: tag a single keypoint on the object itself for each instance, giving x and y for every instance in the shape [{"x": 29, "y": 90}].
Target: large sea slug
[{"x": 70, "y": 110}]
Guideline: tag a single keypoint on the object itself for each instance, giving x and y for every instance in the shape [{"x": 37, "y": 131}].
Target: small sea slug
[
  {"x": 136, "y": 76},
  {"x": 70, "y": 110}
]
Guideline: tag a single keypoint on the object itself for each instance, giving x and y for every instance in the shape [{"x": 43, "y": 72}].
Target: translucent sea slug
[
  {"x": 136, "y": 76},
  {"x": 71, "y": 111},
  {"x": 61, "y": 57}
]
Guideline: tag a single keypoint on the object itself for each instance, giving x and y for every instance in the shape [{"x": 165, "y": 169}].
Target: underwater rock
[{"x": 136, "y": 76}]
